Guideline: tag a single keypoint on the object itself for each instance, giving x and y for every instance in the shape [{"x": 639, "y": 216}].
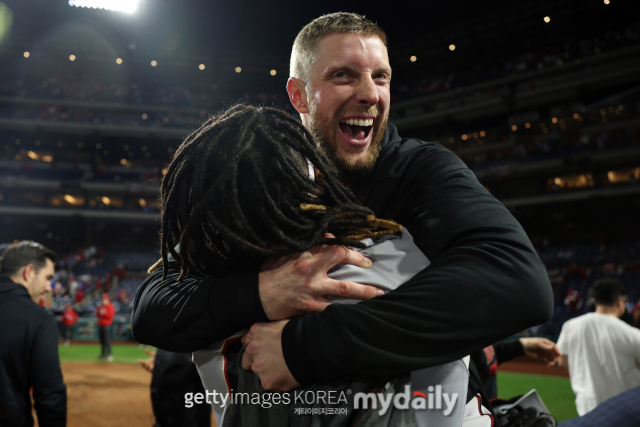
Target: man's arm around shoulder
[
  {"x": 196, "y": 312},
  {"x": 485, "y": 283}
]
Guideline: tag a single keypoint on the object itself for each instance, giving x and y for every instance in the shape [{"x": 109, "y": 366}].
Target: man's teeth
[{"x": 358, "y": 122}]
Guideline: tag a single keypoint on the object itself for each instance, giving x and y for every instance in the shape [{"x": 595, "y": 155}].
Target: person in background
[
  {"x": 173, "y": 375},
  {"x": 79, "y": 296},
  {"x": 29, "y": 340},
  {"x": 105, "y": 313},
  {"x": 601, "y": 352},
  {"x": 69, "y": 320},
  {"x": 123, "y": 297}
]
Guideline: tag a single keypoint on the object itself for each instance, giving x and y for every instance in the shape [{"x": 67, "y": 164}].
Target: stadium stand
[
  {"x": 552, "y": 130},
  {"x": 83, "y": 276}
]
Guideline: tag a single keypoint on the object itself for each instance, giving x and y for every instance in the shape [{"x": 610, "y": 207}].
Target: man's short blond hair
[{"x": 305, "y": 47}]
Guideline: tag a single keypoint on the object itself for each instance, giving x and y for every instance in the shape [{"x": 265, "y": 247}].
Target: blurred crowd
[
  {"x": 82, "y": 277},
  {"x": 208, "y": 98},
  {"x": 548, "y": 57},
  {"x": 574, "y": 267},
  {"x": 192, "y": 105}
]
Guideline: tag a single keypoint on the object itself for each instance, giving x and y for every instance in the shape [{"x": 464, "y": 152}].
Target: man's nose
[{"x": 367, "y": 92}]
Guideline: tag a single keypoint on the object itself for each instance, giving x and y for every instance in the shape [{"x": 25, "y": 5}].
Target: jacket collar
[{"x": 10, "y": 290}]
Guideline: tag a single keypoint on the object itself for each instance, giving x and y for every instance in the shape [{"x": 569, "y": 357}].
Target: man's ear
[
  {"x": 28, "y": 272},
  {"x": 297, "y": 95}
]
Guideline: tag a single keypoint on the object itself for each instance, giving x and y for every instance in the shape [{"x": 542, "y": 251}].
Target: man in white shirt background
[{"x": 601, "y": 351}]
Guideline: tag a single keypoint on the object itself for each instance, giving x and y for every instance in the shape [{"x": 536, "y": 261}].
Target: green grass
[
  {"x": 555, "y": 392},
  {"x": 90, "y": 353}
]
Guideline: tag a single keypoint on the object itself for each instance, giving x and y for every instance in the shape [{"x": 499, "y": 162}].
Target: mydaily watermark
[{"x": 434, "y": 400}]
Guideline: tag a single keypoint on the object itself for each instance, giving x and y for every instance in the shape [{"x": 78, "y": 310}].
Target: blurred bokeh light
[{"x": 6, "y": 18}]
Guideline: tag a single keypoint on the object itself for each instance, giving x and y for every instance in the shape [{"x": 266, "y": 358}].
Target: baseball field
[{"x": 104, "y": 394}]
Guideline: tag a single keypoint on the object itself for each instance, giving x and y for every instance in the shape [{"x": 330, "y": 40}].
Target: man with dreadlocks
[
  {"x": 267, "y": 158},
  {"x": 480, "y": 256}
]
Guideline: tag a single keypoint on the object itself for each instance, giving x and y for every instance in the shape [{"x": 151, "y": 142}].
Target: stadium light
[
  {"x": 452, "y": 47},
  {"x": 119, "y": 61},
  {"x": 238, "y": 69},
  {"x": 6, "y": 19},
  {"x": 413, "y": 58},
  {"x": 26, "y": 54},
  {"x": 547, "y": 19},
  {"x": 127, "y": 6},
  {"x": 272, "y": 72},
  {"x": 201, "y": 66}
]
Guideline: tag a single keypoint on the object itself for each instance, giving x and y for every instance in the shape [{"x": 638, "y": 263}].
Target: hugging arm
[
  {"x": 485, "y": 283},
  {"x": 196, "y": 312}
]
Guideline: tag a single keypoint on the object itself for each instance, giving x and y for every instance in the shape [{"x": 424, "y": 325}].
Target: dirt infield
[
  {"x": 525, "y": 365},
  {"x": 107, "y": 394}
]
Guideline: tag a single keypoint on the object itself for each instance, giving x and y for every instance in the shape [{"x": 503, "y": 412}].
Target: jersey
[
  {"x": 604, "y": 358},
  {"x": 395, "y": 260}
]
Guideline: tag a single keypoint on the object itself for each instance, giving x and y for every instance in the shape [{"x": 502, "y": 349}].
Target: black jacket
[
  {"x": 488, "y": 359},
  {"x": 173, "y": 376},
  {"x": 485, "y": 282},
  {"x": 28, "y": 358}
]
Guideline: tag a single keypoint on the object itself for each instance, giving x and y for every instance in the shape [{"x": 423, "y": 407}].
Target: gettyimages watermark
[
  {"x": 434, "y": 400},
  {"x": 267, "y": 400}
]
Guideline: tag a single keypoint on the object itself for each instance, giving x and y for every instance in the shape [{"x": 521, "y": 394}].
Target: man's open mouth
[{"x": 356, "y": 130}]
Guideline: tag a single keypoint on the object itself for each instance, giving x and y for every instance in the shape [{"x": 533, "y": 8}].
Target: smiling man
[
  {"x": 347, "y": 106},
  {"x": 484, "y": 284}
]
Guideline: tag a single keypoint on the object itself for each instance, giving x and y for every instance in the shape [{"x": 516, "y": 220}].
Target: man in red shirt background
[
  {"x": 69, "y": 319},
  {"x": 105, "y": 313}
]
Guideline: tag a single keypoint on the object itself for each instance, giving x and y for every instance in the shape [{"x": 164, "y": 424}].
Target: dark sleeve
[
  {"x": 194, "y": 313},
  {"x": 508, "y": 349},
  {"x": 45, "y": 376},
  {"x": 485, "y": 283}
]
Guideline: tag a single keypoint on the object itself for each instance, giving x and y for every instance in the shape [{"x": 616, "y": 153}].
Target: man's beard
[{"x": 324, "y": 133}]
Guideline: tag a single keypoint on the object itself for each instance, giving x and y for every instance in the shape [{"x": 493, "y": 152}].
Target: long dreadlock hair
[{"x": 237, "y": 192}]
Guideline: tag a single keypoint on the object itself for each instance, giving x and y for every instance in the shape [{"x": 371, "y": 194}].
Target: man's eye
[{"x": 341, "y": 74}]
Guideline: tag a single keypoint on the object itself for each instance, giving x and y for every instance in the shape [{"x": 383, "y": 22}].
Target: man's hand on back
[
  {"x": 297, "y": 283},
  {"x": 263, "y": 355}
]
